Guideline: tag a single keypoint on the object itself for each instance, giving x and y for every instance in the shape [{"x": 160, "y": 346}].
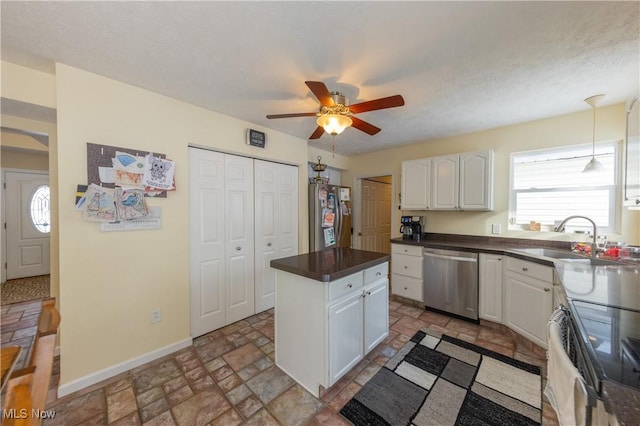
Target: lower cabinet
[
  {"x": 528, "y": 300},
  {"x": 322, "y": 330},
  {"x": 406, "y": 277}
]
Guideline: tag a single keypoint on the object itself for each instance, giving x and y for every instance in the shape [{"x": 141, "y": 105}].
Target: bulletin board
[{"x": 101, "y": 155}]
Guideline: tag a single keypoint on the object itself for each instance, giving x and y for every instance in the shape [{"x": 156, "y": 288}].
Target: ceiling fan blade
[
  {"x": 297, "y": 114},
  {"x": 382, "y": 103},
  {"x": 317, "y": 133},
  {"x": 364, "y": 126},
  {"x": 322, "y": 93}
]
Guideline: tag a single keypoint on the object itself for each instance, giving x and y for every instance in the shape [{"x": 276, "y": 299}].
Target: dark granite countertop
[
  {"x": 612, "y": 285},
  {"x": 330, "y": 264}
]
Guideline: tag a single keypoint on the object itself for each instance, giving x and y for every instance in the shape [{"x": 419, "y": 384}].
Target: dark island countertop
[{"x": 330, "y": 264}]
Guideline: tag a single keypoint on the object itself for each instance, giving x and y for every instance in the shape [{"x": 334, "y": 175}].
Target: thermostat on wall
[{"x": 256, "y": 138}]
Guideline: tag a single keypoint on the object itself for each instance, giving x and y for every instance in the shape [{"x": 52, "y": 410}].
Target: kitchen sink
[{"x": 567, "y": 256}]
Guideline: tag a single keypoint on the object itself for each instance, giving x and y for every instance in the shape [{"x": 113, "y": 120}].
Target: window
[
  {"x": 39, "y": 207},
  {"x": 548, "y": 186}
]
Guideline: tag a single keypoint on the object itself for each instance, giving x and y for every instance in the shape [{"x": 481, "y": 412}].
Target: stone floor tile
[
  {"x": 243, "y": 356},
  {"x": 120, "y": 404},
  {"x": 179, "y": 395},
  {"x": 268, "y": 348},
  {"x": 200, "y": 410},
  {"x": 262, "y": 418},
  {"x": 154, "y": 409},
  {"x": 214, "y": 364},
  {"x": 156, "y": 375},
  {"x": 196, "y": 374},
  {"x": 164, "y": 419},
  {"x": 327, "y": 417},
  {"x": 238, "y": 394},
  {"x": 230, "y": 382},
  {"x": 269, "y": 384},
  {"x": 367, "y": 373},
  {"x": 123, "y": 383},
  {"x": 221, "y": 373},
  {"x": 213, "y": 350},
  {"x": 494, "y": 347},
  {"x": 149, "y": 396},
  {"x": 228, "y": 418},
  {"x": 129, "y": 420},
  {"x": 435, "y": 318},
  {"x": 249, "y": 406},
  {"x": 76, "y": 410},
  {"x": 248, "y": 372},
  {"x": 202, "y": 383},
  {"x": 189, "y": 364},
  {"x": 296, "y": 406},
  {"x": 263, "y": 363},
  {"x": 174, "y": 384},
  {"x": 343, "y": 397}
]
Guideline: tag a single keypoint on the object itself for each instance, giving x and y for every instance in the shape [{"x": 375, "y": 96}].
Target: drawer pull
[
  {"x": 405, "y": 288},
  {"x": 378, "y": 274},
  {"x": 349, "y": 285},
  {"x": 547, "y": 289},
  {"x": 524, "y": 268},
  {"x": 268, "y": 244},
  {"x": 405, "y": 267},
  {"x": 238, "y": 248}
]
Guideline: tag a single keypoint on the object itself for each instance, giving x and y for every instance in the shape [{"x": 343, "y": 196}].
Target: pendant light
[{"x": 593, "y": 165}]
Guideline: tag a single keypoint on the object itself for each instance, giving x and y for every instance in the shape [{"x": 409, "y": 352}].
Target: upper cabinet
[
  {"x": 449, "y": 182},
  {"x": 632, "y": 155},
  {"x": 415, "y": 184}
]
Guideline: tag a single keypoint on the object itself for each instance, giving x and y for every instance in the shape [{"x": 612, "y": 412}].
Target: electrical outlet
[
  {"x": 156, "y": 316},
  {"x": 495, "y": 229}
]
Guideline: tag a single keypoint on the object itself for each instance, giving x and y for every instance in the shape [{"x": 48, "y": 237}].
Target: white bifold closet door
[
  {"x": 221, "y": 214},
  {"x": 276, "y": 224}
]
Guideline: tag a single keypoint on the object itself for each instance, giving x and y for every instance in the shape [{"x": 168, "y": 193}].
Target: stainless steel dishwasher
[{"x": 450, "y": 280}]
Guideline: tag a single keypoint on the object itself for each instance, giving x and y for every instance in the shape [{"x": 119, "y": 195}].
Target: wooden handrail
[{"x": 27, "y": 388}]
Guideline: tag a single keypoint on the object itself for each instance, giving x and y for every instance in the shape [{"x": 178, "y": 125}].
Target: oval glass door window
[{"x": 40, "y": 212}]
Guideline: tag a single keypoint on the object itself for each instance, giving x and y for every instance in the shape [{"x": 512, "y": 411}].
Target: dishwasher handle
[{"x": 456, "y": 258}]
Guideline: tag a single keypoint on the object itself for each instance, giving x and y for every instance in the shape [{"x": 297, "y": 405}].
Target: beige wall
[
  {"x": 13, "y": 159},
  {"x": 112, "y": 281},
  {"x": 568, "y": 129}
]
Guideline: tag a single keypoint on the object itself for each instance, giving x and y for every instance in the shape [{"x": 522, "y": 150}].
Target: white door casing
[
  {"x": 207, "y": 241},
  {"x": 27, "y": 249}
]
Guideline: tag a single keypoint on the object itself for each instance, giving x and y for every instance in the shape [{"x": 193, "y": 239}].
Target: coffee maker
[
  {"x": 406, "y": 227},
  {"x": 416, "y": 227}
]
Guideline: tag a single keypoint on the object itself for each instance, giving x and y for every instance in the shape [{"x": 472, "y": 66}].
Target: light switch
[{"x": 495, "y": 229}]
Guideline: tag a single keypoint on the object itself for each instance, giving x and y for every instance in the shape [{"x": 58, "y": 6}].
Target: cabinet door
[
  {"x": 528, "y": 306},
  {"x": 239, "y": 227},
  {"x": 376, "y": 314},
  {"x": 476, "y": 180},
  {"x": 276, "y": 224},
  {"x": 490, "y": 292},
  {"x": 444, "y": 182},
  {"x": 207, "y": 241},
  {"x": 415, "y": 184},
  {"x": 346, "y": 336}
]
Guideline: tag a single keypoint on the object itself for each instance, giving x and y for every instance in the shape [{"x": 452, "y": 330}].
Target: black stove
[{"x": 613, "y": 340}]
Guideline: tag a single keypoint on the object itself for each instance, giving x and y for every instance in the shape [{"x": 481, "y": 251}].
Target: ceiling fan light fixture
[{"x": 334, "y": 124}]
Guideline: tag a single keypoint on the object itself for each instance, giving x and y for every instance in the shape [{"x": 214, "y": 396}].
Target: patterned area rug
[
  {"x": 438, "y": 380},
  {"x": 24, "y": 289}
]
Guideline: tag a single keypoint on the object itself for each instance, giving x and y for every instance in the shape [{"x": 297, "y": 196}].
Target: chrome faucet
[{"x": 560, "y": 228}]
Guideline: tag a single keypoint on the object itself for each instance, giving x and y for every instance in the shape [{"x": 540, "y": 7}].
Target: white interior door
[
  {"x": 276, "y": 206},
  {"x": 207, "y": 240},
  {"x": 239, "y": 225},
  {"x": 27, "y": 224},
  {"x": 375, "y": 218}
]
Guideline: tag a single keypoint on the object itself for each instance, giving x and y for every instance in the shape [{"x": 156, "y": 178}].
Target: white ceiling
[{"x": 460, "y": 66}]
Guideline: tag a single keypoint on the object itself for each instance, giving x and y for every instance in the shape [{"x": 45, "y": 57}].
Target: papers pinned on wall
[{"x": 153, "y": 221}]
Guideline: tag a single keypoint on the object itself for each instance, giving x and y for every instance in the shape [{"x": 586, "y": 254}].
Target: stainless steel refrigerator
[{"x": 329, "y": 216}]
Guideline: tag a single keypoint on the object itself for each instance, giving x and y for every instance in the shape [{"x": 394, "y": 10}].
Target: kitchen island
[{"x": 332, "y": 308}]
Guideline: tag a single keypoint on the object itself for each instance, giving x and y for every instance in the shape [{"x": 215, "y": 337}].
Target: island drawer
[
  {"x": 376, "y": 272},
  {"x": 344, "y": 286}
]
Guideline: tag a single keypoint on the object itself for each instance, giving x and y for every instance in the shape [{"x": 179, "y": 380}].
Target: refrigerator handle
[{"x": 338, "y": 217}]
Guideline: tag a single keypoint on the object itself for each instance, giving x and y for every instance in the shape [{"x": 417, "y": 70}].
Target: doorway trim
[{"x": 357, "y": 203}]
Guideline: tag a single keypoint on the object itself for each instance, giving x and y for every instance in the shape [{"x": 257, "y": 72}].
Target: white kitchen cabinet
[
  {"x": 476, "y": 181},
  {"x": 324, "y": 329},
  {"x": 406, "y": 267},
  {"x": 415, "y": 184},
  {"x": 449, "y": 182},
  {"x": 445, "y": 182},
  {"x": 490, "y": 287},
  {"x": 528, "y": 300},
  {"x": 276, "y": 224}
]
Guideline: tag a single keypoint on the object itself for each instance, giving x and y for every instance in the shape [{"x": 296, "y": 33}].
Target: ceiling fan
[{"x": 335, "y": 115}]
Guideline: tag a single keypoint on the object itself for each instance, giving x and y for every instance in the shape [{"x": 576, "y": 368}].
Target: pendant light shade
[
  {"x": 593, "y": 165},
  {"x": 334, "y": 124}
]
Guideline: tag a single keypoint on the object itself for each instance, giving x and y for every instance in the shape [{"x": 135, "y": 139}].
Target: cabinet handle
[
  {"x": 378, "y": 274},
  {"x": 268, "y": 244},
  {"x": 405, "y": 250},
  {"x": 349, "y": 285},
  {"x": 405, "y": 288},
  {"x": 547, "y": 289},
  {"x": 368, "y": 293},
  {"x": 524, "y": 268},
  {"x": 238, "y": 248},
  {"x": 405, "y": 267}
]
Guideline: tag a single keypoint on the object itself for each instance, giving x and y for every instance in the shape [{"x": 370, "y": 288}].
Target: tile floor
[{"x": 228, "y": 377}]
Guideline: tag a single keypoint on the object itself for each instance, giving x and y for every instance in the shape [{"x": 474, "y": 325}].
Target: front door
[{"x": 28, "y": 223}]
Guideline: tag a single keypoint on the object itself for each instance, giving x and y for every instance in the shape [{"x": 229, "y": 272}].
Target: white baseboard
[{"x": 114, "y": 370}]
